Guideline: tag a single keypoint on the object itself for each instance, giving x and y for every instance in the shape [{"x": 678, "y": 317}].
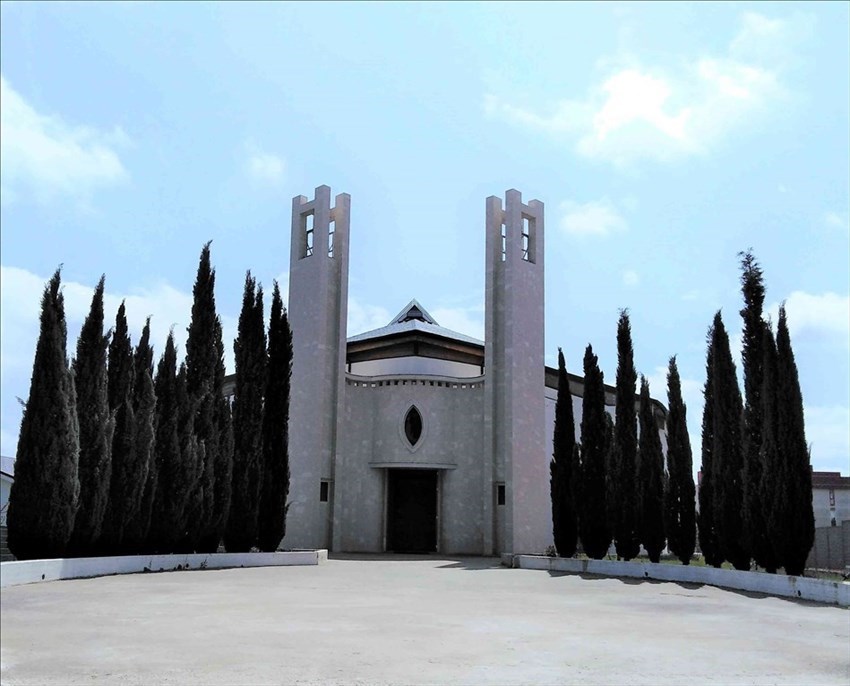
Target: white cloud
[
  {"x": 827, "y": 313},
  {"x": 631, "y": 278},
  {"x": 828, "y": 433},
  {"x": 363, "y": 318},
  {"x": 263, "y": 166},
  {"x": 465, "y": 320},
  {"x": 598, "y": 218},
  {"x": 835, "y": 221},
  {"x": 664, "y": 113},
  {"x": 45, "y": 157}
]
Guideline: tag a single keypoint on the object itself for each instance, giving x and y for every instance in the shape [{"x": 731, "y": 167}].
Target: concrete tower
[
  {"x": 318, "y": 310},
  {"x": 514, "y": 402}
]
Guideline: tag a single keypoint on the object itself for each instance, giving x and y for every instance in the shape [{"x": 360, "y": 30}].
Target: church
[{"x": 412, "y": 437}]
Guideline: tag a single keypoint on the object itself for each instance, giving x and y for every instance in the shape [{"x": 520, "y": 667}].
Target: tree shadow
[
  {"x": 691, "y": 586},
  {"x": 466, "y": 562}
]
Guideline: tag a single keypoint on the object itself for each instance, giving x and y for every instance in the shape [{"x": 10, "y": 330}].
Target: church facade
[{"x": 412, "y": 437}]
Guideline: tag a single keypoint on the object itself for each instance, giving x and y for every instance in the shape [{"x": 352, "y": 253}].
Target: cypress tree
[
  {"x": 612, "y": 460},
  {"x": 250, "y": 356},
  {"x": 752, "y": 356},
  {"x": 680, "y": 521},
  {"x": 595, "y": 439},
  {"x": 650, "y": 479},
  {"x": 728, "y": 452},
  {"x": 275, "y": 484},
  {"x": 562, "y": 490},
  {"x": 203, "y": 357},
  {"x": 124, "y": 487},
  {"x": 192, "y": 458},
  {"x": 96, "y": 425},
  {"x": 45, "y": 494},
  {"x": 708, "y": 536},
  {"x": 144, "y": 409},
  {"x": 625, "y": 436},
  {"x": 224, "y": 468},
  {"x": 773, "y": 498},
  {"x": 173, "y": 474},
  {"x": 793, "y": 456}
]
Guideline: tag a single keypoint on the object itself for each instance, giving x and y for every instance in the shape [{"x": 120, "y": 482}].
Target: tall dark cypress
[
  {"x": 794, "y": 455},
  {"x": 224, "y": 467},
  {"x": 173, "y": 474},
  {"x": 612, "y": 460},
  {"x": 774, "y": 499},
  {"x": 680, "y": 523},
  {"x": 144, "y": 409},
  {"x": 625, "y": 435},
  {"x": 564, "y": 526},
  {"x": 594, "y": 532},
  {"x": 202, "y": 360},
  {"x": 250, "y": 356},
  {"x": 728, "y": 452},
  {"x": 192, "y": 459},
  {"x": 708, "y": 537},
  {"x": 650, "y": 479},
  {"x": 752, "y": 357},
  {"x": 124, "y": 487},
  {"x": 45, "y": 494},
  {"x": 96, "y": 428},
  {"x": 275, "y": 485}
]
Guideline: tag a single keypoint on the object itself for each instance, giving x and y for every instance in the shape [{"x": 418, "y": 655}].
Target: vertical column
[
  {"x": 515, "y": 419},
  {"x": 318, "y": 304}
]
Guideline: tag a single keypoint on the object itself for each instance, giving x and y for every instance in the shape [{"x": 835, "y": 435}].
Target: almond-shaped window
[{"x": 413, "y": 426}]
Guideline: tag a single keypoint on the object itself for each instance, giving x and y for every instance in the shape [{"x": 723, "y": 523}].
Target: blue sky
[{"x": 662, "y": 138}]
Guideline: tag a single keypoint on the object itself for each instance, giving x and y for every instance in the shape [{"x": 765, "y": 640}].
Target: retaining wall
[
  {"x": 34, "y": 571},
  {"x": 819, "y": 590}
]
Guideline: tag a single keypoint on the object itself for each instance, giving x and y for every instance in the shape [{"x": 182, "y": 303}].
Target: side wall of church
[{"x": 452, "y": 433}]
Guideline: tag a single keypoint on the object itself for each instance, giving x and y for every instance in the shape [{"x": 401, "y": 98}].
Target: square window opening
[
  {"x": 500, "y": 494},
  {"x": 324, "y": 491}
]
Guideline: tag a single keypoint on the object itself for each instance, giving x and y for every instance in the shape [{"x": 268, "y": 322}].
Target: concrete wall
[
  {"x": 414, "y": 365},
  {"x": 34, "y": 571},
  {"x": 824, "y": 512},
  {"x": 818, "y": 590},
  {"x": 373, "y": 425},
  {"x": 831, "y": 549},
  {"x": 5, "y": 489}
]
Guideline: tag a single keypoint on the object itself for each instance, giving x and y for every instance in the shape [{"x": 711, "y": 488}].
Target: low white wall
[
  {"x": 33, "y": 571},
  {"x": 819, "y": 590}
]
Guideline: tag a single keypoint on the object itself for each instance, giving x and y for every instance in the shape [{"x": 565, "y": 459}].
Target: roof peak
[{"x": 413, "y": 311}]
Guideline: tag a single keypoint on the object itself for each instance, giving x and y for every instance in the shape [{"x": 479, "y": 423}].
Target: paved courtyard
[{"x": 405, "y": 620}]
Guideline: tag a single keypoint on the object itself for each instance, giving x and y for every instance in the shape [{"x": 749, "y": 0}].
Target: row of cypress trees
[
  {"x": 612, "y": 486},
  {"x": 756, "y": 490},
  {"x": 755, "y": 496},
  {"x": 116, "y": 459}
]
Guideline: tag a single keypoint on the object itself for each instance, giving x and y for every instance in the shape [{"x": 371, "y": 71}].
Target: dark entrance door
[{"x": 412, "y": 511}]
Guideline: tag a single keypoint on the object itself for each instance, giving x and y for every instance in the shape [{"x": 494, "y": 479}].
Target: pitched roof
[
  {"x": 414, "y": 317},
  {"x": 830, "y": 480}
]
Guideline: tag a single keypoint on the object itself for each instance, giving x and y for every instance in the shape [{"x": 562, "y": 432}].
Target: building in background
[{"x": 830, "y": 498}]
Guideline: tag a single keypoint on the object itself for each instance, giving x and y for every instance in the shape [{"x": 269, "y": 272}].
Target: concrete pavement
[{"x": 411, "y": 620}]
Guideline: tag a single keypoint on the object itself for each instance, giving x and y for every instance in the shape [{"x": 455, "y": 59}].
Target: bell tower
[
  {"x": 516, "y": 460},
  {"x": 318, "y": 311}
]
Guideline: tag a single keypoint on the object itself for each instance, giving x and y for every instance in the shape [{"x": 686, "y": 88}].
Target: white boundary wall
[
  {"x": 34, "y": 571},
  {"x": 818, "y": 590}
]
